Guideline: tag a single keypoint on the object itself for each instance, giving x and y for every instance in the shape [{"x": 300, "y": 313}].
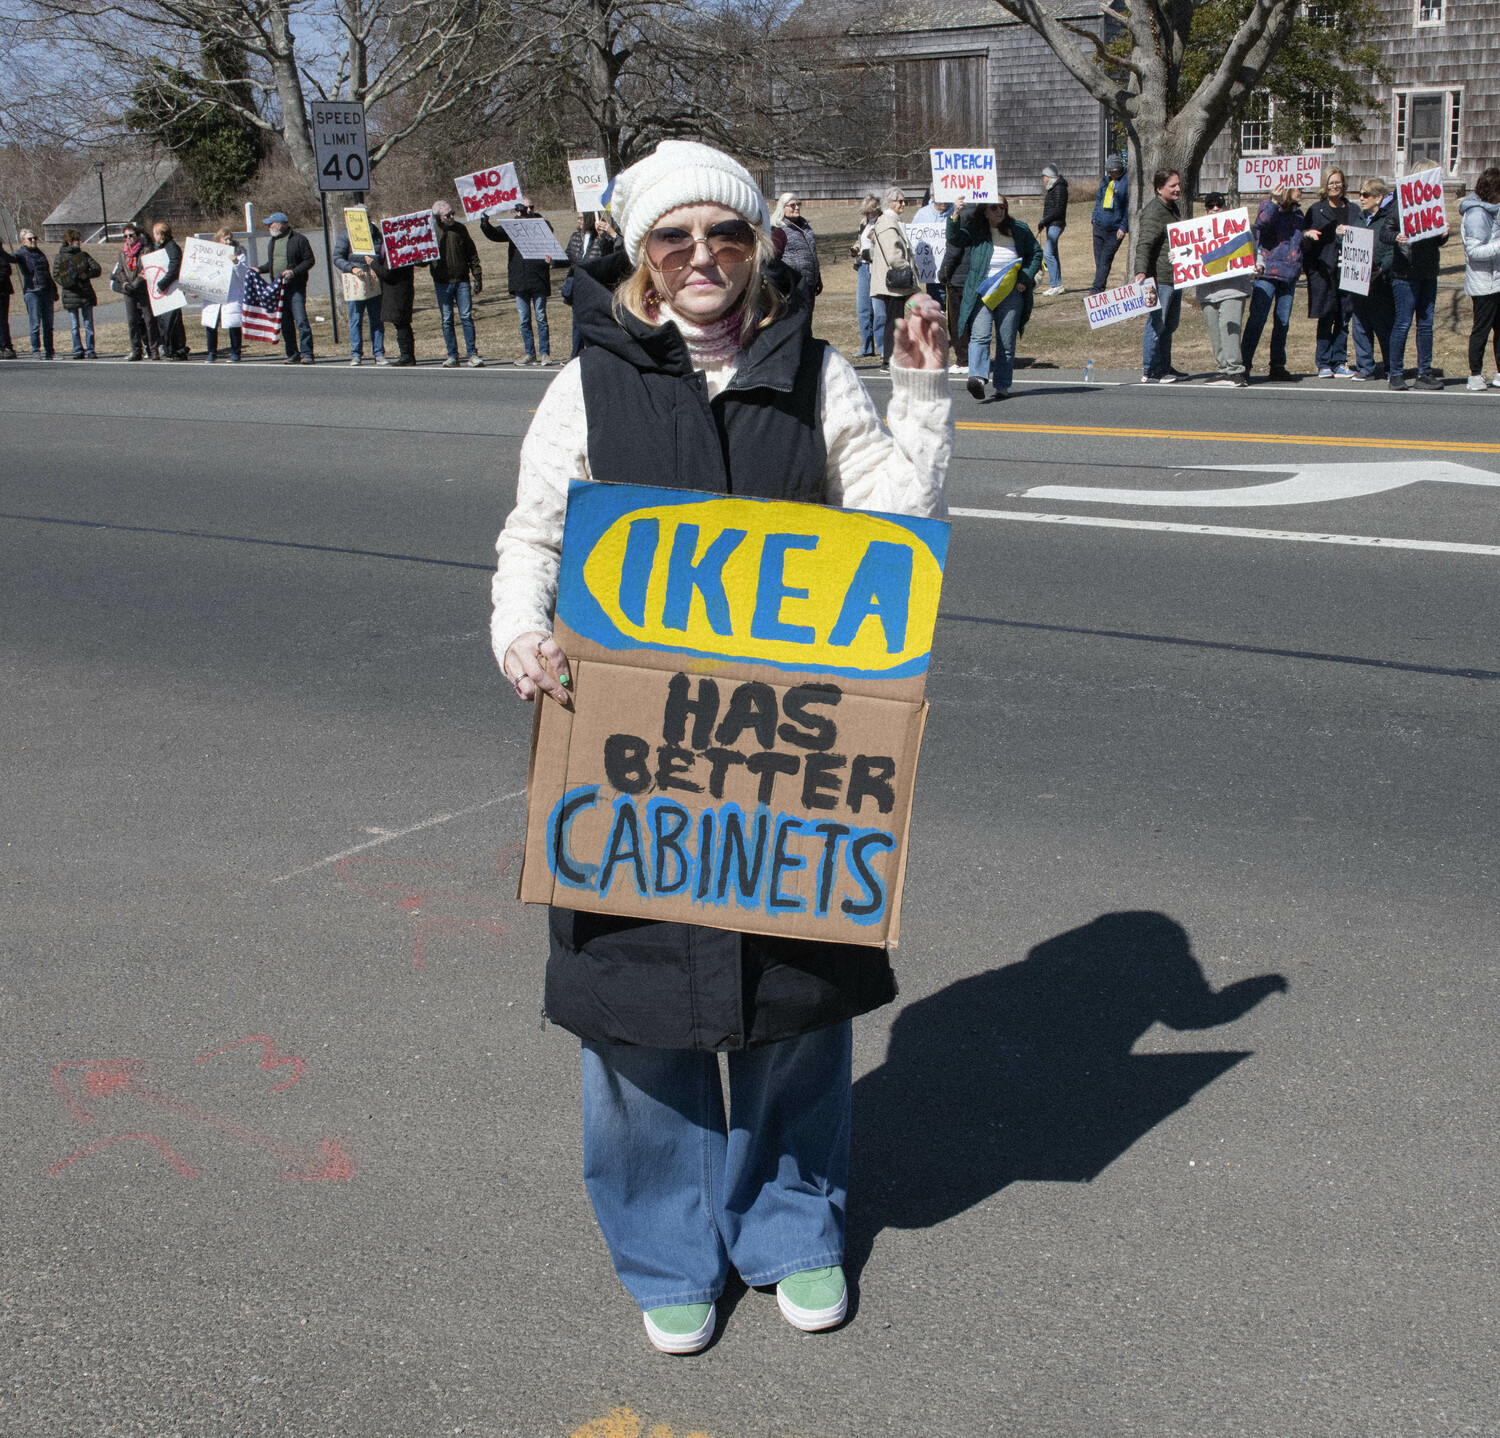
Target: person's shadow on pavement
[{"x": 1025, "y": 1072}]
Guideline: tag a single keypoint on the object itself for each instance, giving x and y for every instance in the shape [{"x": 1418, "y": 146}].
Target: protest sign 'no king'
[
  {"x": 747, "y": 713},
  {"x": 964, "y": 176},
  {"x": 486, "y": 191},
  {"x": 1420, "y": 197}
]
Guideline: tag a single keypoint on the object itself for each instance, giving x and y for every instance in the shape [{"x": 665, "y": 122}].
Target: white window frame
[
  {"x": 1332, "y": 144},
  {"x": 1454, "y": 133},
  {"x": 1270, "y": 144},
  {"x": 1440, "y": 18},
  {"x": 1453, "y": 113}
]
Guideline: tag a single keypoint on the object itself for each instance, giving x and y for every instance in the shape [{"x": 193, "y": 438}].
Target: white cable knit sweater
[{"x": 901, "y": 472}]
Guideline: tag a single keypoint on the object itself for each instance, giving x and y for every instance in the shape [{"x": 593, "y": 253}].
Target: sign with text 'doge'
[{"x": 747, "y": 713}]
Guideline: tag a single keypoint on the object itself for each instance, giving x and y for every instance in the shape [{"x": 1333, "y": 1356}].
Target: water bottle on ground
[{"x": 1088, "y": 372}]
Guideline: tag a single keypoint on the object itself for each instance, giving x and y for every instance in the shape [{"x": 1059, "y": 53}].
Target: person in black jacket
[
  {"x": 529, "y": 284},
  {"x": 1054, "y": 222},
  {"x": 1328, "y": 218},
  {"x": 76, "y": 270},
  {"x": 7, "y": 289},
  {"x": 456, "y": 279},
  {"x": 397, "y": 298},
  {"x": 173, "y": 336},
  {"x": 291, "y": 260},
  {"x": 590, "y": 241},
  {"x": 39, "y": 290}
]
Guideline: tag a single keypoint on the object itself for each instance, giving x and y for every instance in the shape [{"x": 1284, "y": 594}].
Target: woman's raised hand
[
  {"x": 527, "y": 672},
  {"x": 922, "y": 337}
]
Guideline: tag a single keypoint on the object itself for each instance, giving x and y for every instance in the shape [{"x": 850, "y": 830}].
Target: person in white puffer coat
[{"x": 1481, "y": 230}]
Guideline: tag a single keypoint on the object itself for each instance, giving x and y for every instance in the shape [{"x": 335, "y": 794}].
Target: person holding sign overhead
[
  {"x": 1004, "y": 259},
  {"x": 700, "y": 372},
  {"x": 456, "y": 279}
]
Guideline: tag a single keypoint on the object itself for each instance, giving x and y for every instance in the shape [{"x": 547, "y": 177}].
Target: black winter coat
[
  {"x": 1320, "y": 257},
  {"x": 1055, "y": 207},
  {"x": 299, "y": 261},
  {"x": 524, "y": 279},
  {"x": 6, "y": 287},
  {"x": 397, "y": 288},
  {"x": 684, "y": 986},
  {"x": 81, "y": 268}
]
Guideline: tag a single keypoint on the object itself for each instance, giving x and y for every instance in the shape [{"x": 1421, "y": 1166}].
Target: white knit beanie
[{"x": 681, "y": 172}]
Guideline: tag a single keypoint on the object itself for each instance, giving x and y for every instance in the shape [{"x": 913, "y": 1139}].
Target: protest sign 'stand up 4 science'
[{"x": 747, "y": 713}]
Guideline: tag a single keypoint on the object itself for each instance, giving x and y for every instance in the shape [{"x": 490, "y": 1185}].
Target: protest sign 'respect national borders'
[
  {"x": 409, "y": 239},
  {"x": 747, "y": 713}
]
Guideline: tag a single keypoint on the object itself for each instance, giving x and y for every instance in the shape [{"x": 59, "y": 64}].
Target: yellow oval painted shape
[{"x": 831, "y": 548}]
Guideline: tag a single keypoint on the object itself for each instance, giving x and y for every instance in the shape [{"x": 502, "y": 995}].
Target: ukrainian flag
[{"x": 1002, "y": 285}]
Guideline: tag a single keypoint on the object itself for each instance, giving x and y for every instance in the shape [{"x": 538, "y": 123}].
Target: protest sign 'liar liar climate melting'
[{"x": 747, "y": 713}]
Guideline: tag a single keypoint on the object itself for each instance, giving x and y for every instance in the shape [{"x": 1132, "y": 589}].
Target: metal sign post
[{"x": 342, "y": 155}]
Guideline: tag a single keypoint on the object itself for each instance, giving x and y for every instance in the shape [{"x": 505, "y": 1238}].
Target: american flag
[{"x": 261, "y": 308}]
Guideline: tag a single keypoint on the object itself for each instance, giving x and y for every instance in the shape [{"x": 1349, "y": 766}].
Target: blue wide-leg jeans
[{"x": 680, "y": 1195}]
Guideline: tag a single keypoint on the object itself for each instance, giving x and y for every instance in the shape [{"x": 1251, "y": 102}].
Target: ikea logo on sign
[{"x": 798, "y": 586}]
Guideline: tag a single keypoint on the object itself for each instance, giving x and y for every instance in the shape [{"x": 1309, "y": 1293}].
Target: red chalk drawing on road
[{"x": 92, "y": 1087}]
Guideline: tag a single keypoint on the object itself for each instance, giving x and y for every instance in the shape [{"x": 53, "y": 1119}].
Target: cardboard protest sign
[
  {"x": 357, "y": 226},
  {"x": 747, "y": 713},
  {"x": 207, "y": 269},
  {"x": 1423, "y": 213},
  {"x": 590, "y": 181},
  {"x": 1210, "y": 247},
  {"x": 534, "y": 239},
  {"x": 1109, "y": 307},
  {"x": 1357, "y": 261},
  {"x": 487, "y": 191},
  {"x": 154, "y": 265},
  {"x": 928, "y": 242},
  {"x": 409, "y": 239},
  {"x": 1268, "y": 172},
  {"x": 964, "y": 176}
]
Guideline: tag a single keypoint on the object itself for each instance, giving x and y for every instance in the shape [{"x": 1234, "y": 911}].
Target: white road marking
[
  {"x": 386, "y": 836},
  {"x": 1308, "y": 484},
  {"x": 1368, "y": 541}
]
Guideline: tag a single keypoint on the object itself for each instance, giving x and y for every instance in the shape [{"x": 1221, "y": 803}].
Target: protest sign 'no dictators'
[
  {"x": 747, "y": 712},
  {"x": 340, "y": 150}
]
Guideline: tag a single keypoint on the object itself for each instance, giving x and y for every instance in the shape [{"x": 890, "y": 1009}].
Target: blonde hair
[
  {"x": 763, "y": 303},
  {"x": 1373, "y": 189},
  {"x": 1327, "y": 176},
  {"x": 224, "y": 237},
  {"x": 1280, "y": 194}
]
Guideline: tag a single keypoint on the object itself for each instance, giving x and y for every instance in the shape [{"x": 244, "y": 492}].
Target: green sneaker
[
  {"x": 814, "y": 1299},
  {"x": 685, "y": 1328}
]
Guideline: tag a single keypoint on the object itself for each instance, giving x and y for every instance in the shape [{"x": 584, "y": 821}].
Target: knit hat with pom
[{"x": 681, "y": 172}]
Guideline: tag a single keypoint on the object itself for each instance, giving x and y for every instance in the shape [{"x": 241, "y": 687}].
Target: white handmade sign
[
  {"x": 966, "y": 177},
  {"x": 409, "y": 239},
  {"x": 1210, "y": 247},
  {"x": 534, "y": 239},
  {"x": 928, "y": 241},
  {"x": 1423, "y": 214},
  {"x": 1268, "y": 172},
  {"x": 1109, "y": 307},
  {"x": 154, "y": 265},
  {"x": 590, "y": 181},
  {"x": 488, "y": 192},
  {"x": 1357, "y": 261},
  {"x": 207, "y": 270}
]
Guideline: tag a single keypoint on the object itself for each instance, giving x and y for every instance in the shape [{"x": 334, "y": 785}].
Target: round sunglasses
[{"x": 669, "y": 249}]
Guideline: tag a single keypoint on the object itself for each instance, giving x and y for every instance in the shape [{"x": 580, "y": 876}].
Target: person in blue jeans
[
  {"x": 291, "y": 261},
  {"x": 362, "y": 301},
  {"x": 869, "y": 308},
  {"x": 1153, "y": 266},
  {"x": 39, "y": 291},
  {"x": 1278, "y": 229},
  {"x": 456, "y": 279},
  {"x": 1414, "y": 277},
  {"x": 997, "y": 246},
  {"x": 1054, "y": 222},
  {"x": 1372, "y": 315},
  {"x": 529, "y": 283}
]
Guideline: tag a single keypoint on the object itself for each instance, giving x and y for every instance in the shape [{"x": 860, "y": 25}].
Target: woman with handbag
[
  {"x": 229, "y": 314},
  {"x": 893, "y": 275},
  {"x": 129, "y": 282}
]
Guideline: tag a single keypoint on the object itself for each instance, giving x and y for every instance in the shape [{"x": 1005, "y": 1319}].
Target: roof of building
[
  {"x": 876, "y": 17},
  {"x": 129, "y": 186}
]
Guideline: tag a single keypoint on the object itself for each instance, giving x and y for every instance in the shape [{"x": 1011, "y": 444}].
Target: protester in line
[
  {"x": 1278, "y": 252},
  {"x": 38, "y": 290},
  {"x": 1223, "y": 302},
  {"x": 893, "y": 273},
  {"x": 935, "y": 212},
  {"x": 796, "y": 245},
  {"x": 230, "y": 314},
  {"x": 7, "y": 289},
  {"x": 1054, "y": 222},
  {"x": 291, "y": 261},
  {"x": 173, "y": 332},
  {"x": 75, "y": 271},
  {"x": 1004, "y": 259},
  {"x": 868, "y": 308},
  {"x": 1372, "y": 315},
  {"x": 679, "y": 1195},
  {"x": 1153, "y": 266},
  {"x": 362, "y": 303},
  {"x": 954, "y": 273},
  {"x": 587, "y": 242},
  {"x": 1414, "y": 277},
  {"x": 529, "y": 284},
  {"x": 1480, "y": 214},
  {"x": 1111, "y": 220},
  {"x": 397, "y": 298},
  {"x": 456, "y": 279},
  {"x": 1328, "y": 220},
  {"x": 145, "y": 338}
]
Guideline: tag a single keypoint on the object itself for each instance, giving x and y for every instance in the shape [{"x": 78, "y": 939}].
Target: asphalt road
[{"x": 288, "y": 1151}]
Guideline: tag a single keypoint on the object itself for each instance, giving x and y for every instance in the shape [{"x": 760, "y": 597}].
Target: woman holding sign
[
  {"x": 1004, "y": 258},
  {"x": 1328, "y": 220},
  {"x": 698, "y": 324}
]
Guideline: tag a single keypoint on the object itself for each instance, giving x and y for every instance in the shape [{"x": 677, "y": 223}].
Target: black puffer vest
[{"x": 650, "y": 421}]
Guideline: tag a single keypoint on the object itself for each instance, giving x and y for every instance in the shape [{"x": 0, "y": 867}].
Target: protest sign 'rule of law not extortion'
[{"x": 1210, "y": 247}]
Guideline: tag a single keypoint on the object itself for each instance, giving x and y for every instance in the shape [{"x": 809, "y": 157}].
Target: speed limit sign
[{"x": 339, "y": 149}]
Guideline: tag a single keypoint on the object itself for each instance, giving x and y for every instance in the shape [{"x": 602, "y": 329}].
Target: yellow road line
[{"x": 1447, "y": 446}]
